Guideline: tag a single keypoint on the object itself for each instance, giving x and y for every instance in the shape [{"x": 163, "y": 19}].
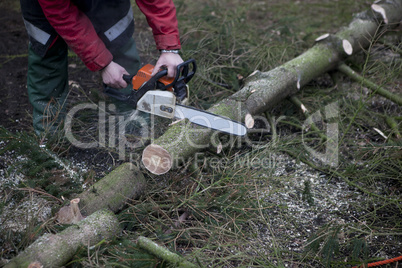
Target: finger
[
  {"x": 122, "y": 83},
  {"x": 115, "y": 85},
  {"x": 171, "y": 72},
  {"x": 156, "y": 69},
  {"x": 118, "y": 84}
]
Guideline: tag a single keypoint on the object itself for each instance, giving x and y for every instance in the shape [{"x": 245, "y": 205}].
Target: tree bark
[
  {"x": 263, "y": 90},
  {"x": 163, "y": 253},
  {"x": 54, "y": 250},
  {"x": 112, "y": 192},
  {"x": 105, "y": 197}
]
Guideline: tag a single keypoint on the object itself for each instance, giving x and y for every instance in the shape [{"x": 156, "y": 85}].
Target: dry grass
[{"x": 271, "y": 204}]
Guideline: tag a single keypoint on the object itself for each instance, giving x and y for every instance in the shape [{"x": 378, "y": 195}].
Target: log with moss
[
  {"x": 100, "y": 202},
  {"x": 124, "y": 183},
  {"x": 55, "y": 250},
  {"x": 263, "y": 90}
]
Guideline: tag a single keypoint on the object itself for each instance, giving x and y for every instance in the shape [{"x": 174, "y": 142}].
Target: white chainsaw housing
[{"x": 158, "y": 102}]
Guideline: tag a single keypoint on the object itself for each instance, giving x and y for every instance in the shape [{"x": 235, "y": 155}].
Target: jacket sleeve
[
  {"x": 161, "y": 17},
  {"x": 78, "y": 32}
]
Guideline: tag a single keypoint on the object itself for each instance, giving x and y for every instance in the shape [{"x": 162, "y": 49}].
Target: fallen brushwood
[
  {"x": 374, "y": 87},
  {"x": 163, "y": 253},
  {"x": 263, "y": 90},
  {"x": 98, "y": 203},
  {"x": 55, "y": 250}
]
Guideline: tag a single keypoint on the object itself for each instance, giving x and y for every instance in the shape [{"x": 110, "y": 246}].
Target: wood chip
[{"x": 322, "y": 37}]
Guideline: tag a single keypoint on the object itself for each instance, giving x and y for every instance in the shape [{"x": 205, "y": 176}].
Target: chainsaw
[{"x": 165, "y": 97}]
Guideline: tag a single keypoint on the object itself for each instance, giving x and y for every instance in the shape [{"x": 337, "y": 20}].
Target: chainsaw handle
[
  {"x": 183, "y": 73},
  {"x": 128, "y": 78},
  {"x": 115, "y": 93},
  {"x": 131, "y": 98},
  {"x": 183, "y": 69},
  {"x": 156, "y": 77}
]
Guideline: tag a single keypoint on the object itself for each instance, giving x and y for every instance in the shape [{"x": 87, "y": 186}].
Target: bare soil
[{"x": 14, "y": 104}]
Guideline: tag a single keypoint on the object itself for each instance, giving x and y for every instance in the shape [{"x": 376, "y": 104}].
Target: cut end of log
[
  {"x": 381, "y": 10},
  {"x": 219, "y": 148},
  {"x": 303, "y": 108},
  {"x": 76, "y": 210},
  {"x": 322, "y": 37},
  {"x": 249, "y": 121},
  {"x": 347, "y": 47},
  {"x": 156, "y": 159},
  {"x": 70, "y": 214}
]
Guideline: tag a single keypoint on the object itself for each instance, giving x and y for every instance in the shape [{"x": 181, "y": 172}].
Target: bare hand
[
  {"x": 168, "y": 60},
  {"x": 112, "y": 75}
]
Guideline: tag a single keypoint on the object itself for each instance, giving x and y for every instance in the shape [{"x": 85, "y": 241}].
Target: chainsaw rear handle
[{"x": 128, "y": 78}]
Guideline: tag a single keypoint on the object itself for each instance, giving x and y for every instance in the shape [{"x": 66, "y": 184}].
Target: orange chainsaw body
[{"x": 144, "y": 74}]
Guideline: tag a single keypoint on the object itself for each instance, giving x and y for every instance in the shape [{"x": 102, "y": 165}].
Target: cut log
[
  {"x": 263, "y": 90},
  {"x": 106, "y": 196},
  {"x": 55, "y": 250},
  {"x": 112, "y": 192}
]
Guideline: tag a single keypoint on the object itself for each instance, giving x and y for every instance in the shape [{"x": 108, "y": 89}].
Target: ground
[
  {"x": 15, "y": 107},
  {"x": 271, "y": 214}
]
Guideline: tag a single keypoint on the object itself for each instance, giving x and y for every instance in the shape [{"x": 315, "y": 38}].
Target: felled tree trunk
[
  {"x": 263, "y": 90},
  {"x": 100, "y": 202},
  {"x": 112, "y": 192},
  {"x": 54, "y": 250}
]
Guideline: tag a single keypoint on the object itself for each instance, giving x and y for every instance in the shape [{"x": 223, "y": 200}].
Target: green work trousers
[{"x": 47, "y": 83}]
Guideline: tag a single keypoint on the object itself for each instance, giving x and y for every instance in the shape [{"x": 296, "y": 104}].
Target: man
[{"x": 100, "y": 33}]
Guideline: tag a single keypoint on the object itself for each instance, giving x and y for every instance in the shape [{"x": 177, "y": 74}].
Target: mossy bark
[
  {"x": 163, "y": 253},
  {"x": 263, "y": 90},
  {"x": 112, "y": 192},
  {"x": 55, "y": 250}
]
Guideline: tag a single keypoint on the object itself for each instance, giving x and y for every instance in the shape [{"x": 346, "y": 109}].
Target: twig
[
  {"x": 163, "y": 253},
  {"x": 374, "y": 87},
  {"x": 394, "y": 126},
  {"x": 40, "y": 192},
  {"x": 390, "y": 45}
]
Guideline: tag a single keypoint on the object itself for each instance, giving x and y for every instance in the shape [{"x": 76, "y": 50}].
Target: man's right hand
[{"x": 112, "y": 75}]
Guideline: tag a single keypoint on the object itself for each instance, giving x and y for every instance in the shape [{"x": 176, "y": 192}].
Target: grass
[{"x": 271, "y": 204}]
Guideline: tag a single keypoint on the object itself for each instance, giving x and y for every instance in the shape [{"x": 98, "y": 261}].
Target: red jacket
[{"x": 78, "y": 32}]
